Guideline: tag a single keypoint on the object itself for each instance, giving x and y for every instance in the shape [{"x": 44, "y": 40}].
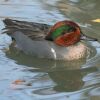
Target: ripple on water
[{"x": 46, "y": 79}]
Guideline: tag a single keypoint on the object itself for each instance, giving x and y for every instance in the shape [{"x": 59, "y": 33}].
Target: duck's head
[{"x": 66, "y": 33}]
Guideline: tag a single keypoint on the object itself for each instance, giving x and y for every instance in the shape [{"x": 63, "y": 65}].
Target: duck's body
[
  {"x": 30, "y": 38},
  {"x": 48, "y": 49}
]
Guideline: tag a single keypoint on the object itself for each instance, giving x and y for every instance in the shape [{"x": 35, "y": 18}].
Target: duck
[{"x": 61, "y": 41}]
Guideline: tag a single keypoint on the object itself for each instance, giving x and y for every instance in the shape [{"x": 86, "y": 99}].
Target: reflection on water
[
  {"x": 55, "y": 76},
  {"x": 68, "y": 81},
  {"x": 43, "y": 78}
]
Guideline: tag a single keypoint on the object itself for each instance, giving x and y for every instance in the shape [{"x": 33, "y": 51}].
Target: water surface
[{"x": 43, "y": 79}]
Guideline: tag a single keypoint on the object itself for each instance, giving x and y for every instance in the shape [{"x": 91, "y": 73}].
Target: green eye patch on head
[{"x": 59, "y": 31}]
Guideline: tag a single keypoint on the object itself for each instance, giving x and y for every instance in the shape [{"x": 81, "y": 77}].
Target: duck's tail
[
  {"x": 8, "y": 22},
  {"x": 10, "y": 26}
]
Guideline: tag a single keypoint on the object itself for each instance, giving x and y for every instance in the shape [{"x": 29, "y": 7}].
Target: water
[{"x": 42, "y": 79}]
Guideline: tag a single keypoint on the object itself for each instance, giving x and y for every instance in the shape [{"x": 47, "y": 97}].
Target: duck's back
[{"x": 31, "y": 29}]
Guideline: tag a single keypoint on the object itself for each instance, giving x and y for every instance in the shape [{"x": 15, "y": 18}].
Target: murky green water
[{"x": 44, "y": 79}]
